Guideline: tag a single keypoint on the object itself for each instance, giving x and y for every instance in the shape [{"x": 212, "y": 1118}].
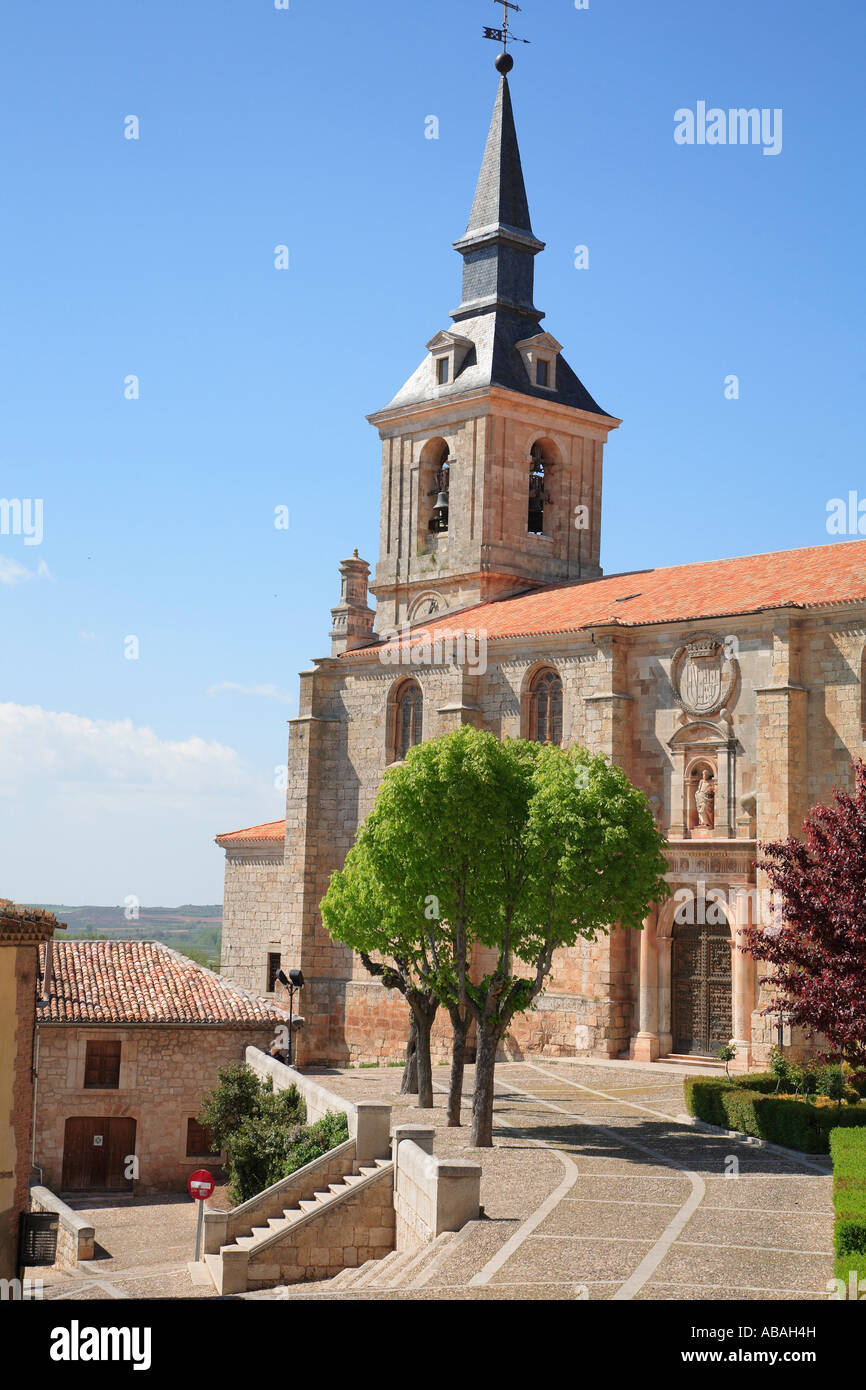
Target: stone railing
[
  {"x": 431, "y": 1195},
  {"x": 75, "y": 1237},
  {"x": 222, "y": 1227},
  {"x": 369, "y": 1122}
]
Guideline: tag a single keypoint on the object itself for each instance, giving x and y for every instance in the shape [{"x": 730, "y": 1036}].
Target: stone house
[
  {"x": 730, "y": 691},
  {"x": 131, "y": 1034},
  {"x": 23, "y": 930}
]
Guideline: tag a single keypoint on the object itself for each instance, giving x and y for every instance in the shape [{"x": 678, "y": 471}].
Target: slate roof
[
  {"x": 254, "y": 834},
  {"x": 813, "y": 578},
  {"x": 134, "y": 982},
  {"x": 498, "y": 249}
]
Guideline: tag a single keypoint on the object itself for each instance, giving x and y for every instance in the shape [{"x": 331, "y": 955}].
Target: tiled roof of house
[
  {"x": 141, "y": 982},
  {"x": 820, "y": 576},
  {"x": 25, "y": 926},
  {"x": 271, "y": 830}
]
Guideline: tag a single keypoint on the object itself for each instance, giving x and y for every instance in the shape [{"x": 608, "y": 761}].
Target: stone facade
[
  {"x": 730, "y": 693},
  {"x": 164, "y": 1073}
]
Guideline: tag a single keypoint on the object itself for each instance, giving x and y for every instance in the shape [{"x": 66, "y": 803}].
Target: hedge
[
  {"x": 848, "y": 1148},
  {"x": 748, "y": 1104}
]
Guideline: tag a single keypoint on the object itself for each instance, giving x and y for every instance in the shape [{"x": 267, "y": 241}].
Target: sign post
[{"x": 201, "y": 1185}]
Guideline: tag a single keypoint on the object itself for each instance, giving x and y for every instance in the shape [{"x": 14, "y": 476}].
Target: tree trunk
[
  {"x": 482, "y": 1100},
  {"x": 409, "y": 1084},
  {"x": 424, "y": 1021},
  {"x": 460, "y": 1027}
]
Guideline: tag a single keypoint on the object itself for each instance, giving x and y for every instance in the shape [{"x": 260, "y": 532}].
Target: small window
[
  {"x": 274, "y": 961},
  {"x": 410, "y": 709},
  {"x": 545, "y": 708},
  {"x": 442, "y": 371},
  {"x": 102, "y": 1066},
  {"x": 542, "y": 372},
  {"x": 198, "y": 1141}
]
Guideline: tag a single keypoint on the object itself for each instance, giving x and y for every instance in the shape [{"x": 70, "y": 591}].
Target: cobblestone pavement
[
  {"x": 594, "y": 1189},
  {"x": 142, "y": 1248}
]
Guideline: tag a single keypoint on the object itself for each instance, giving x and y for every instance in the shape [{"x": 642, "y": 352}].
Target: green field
[{"x": 193, "y": 930}]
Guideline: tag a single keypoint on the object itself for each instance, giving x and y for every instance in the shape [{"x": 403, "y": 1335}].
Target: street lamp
[{"x": 295, "y": 980}]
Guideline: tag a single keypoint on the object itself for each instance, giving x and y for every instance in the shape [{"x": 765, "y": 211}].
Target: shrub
[
  {"x": 748, "y": 1104},
  {"x": 264, "y": 1152},
  {"x": 253, "y": 1124}
]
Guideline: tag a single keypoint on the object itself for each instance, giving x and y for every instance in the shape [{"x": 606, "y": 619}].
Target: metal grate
[{"x": 38, "y": 1238}]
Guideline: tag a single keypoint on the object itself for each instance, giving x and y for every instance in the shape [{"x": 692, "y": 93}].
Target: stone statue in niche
[{"x": 705, "y": 799}]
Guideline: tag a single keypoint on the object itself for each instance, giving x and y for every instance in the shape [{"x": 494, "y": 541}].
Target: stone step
[
  {"x": 308, "y": 1204},
  {"x": 373, "y": 1271},
  {"x": 412, "y": 1275},
  {"x": 390, "y": 1269},
  {"x": 356, "y": 1274},
  {"x": 214, "y": 1265},
  {"x": 345, "y": 1276}
]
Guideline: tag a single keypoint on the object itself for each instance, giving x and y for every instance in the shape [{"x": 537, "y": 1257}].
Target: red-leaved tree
[{"x": 818, "y": 957}]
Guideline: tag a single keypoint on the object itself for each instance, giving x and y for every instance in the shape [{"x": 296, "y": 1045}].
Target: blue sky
[{"x": 155, "y": 258}]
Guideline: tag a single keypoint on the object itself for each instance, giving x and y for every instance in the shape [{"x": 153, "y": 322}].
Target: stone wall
[
  {"x": 787, "y": 738},
  {"x": 431, "y": 1195},
  {"x": 253, "y": 913},
  {"x": 75, "y": 1236},
  {"x": 359, "y": 1228},
  {"x": 163, "y": 1075}
]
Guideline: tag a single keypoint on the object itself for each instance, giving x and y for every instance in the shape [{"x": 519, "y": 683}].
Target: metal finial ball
[{"x": 504, "y": 63}]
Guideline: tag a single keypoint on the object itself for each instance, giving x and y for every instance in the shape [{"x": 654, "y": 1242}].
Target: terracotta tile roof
[
  {"x": 26, "y": 926},
  {"x": 271, "y": 830},
  {"x": 142, "y": 982},
  {"x": 819, "y": 576}
]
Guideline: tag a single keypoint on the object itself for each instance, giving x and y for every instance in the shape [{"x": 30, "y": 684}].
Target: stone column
[
  {"x": 646, "y": 1046},
  {"x": 664, "y": 948}
]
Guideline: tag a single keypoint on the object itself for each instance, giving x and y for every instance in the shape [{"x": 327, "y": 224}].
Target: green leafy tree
[
  {"x": 579, "y": 853},
  {"x": 504, "y": 845}
]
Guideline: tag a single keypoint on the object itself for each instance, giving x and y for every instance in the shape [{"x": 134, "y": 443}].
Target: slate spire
[{"x": 499, "y": 245}]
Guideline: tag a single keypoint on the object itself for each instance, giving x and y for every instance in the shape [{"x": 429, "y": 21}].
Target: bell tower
[{"x": 492, "y": 450}]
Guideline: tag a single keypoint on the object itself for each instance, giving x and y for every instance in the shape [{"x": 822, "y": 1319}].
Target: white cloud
[
  {"x": 71, "y": 749},
  {"x": 92, "y": 810},
  {"x": 11, "y": 572},
  {"x": 269, "y": 692}
]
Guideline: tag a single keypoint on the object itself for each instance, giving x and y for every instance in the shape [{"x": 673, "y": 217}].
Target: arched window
[
  {"x": 409, "y": 715},
  {"x": 545, "y": 708},
  {"x": 537, "y": 491},
  {"x": 436, "y": 481}
]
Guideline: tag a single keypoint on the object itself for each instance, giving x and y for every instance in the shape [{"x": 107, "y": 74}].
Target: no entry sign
[{"x": 201, "y": 1185}]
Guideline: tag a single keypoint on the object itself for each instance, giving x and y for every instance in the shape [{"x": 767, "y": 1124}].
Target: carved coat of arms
[{"x": 703, "y": 676}]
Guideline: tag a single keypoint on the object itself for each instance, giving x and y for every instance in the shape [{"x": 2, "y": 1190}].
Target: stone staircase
[
  {"x": 313, "y": 1239},
  {"x": 406, "y": 1269},
  {"x": 399, "y": 1270}
]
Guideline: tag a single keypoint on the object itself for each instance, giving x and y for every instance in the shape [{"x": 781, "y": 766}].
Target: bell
[{"x": 441, "y": 502}]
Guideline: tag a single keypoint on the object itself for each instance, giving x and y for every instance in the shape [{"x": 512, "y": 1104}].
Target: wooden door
[
  {"x": 702, "y": 998},
  {"x": 95, "y": 1152}
]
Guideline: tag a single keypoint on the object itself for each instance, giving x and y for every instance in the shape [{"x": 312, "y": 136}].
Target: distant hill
[{"x": 195, "y": 931}]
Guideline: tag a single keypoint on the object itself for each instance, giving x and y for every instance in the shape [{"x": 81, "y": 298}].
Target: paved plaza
[{"x": 594, "y": 1189}]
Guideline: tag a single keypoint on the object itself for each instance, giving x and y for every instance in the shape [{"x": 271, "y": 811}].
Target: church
[{"x": 730, "y": 691}]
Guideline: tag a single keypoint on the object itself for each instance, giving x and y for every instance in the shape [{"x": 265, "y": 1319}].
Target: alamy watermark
[
  {"x": 712, "y": 125},
  {"x": 22, "y": 516},
  {"x": 406, "y": 646}
]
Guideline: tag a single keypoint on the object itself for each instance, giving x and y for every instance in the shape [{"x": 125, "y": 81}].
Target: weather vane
[{"x": 504, "y": 35}]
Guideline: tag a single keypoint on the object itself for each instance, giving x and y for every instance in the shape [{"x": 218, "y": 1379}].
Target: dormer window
[
  {"x": 540, "y": 356},
  {"x": 449, "y": 352}
]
